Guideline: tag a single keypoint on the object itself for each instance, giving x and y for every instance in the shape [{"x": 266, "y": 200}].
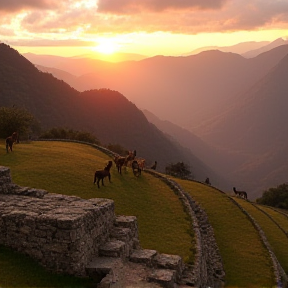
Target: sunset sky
[{"x": 146, "y": 27}]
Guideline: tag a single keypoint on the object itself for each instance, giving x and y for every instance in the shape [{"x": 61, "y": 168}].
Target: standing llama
[
  {"x": 101, "y": 174},
  {"x": 241, "y": 194}
]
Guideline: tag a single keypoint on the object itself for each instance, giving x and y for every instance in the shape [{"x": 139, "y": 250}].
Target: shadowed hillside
[
  {"x": 193, "y": 88},
  {"x": 105, "y": 113},
  {"x": 254, "y": 130}
]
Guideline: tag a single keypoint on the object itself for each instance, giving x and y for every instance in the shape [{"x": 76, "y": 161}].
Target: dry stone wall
[
  {"x": 207, "y": 270},
  {"x": 62, "y": 232},
  {"x": 71, "y": 235}
]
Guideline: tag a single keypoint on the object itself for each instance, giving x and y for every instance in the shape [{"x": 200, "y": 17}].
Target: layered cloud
[
  {"x": 85, "y": 19},
  {"x": 16, "y": 5},
  {"x": 134, "y": 6}
]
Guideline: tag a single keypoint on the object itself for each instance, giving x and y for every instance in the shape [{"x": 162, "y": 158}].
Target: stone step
[
  {"x": 143, "y": 256},
  {"x": 114, "y": 248},
  {"x": 170, "y": 262},
  {"x": 104, "y": 271},
  {"x": 127, "y": 222},
  {"x": 125, "y": 235},
  {"x": 122, "y": 234},
  {"x": 165, "y": 277}
]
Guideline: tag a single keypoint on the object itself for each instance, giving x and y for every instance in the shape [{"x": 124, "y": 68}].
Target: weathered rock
[
  {"x": 164, "y": 277},
  {"x": 143, "y": 256}
]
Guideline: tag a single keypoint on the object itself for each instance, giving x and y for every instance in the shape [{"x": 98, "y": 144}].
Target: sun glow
[{"x": 107, "y": 46}]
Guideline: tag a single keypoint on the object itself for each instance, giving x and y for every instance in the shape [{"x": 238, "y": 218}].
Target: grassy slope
[
  {"x": 279, "y": 217},
  {"x": 275, "y": 236},
  {"x": 246, "y": 261},
  {"x": 68, "y": 168}
]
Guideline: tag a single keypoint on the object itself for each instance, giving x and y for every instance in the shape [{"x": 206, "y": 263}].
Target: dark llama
[
  {"x": 10, "y": 141},
  {"x": 241, "y": 194},
  {"x": 101, "y": 174}
]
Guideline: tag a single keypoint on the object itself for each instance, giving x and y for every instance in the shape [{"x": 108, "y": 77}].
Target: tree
[
  {"x": 179, "y": 170},
  {"x": 276, "y": 197},
  {"x": 14, "y": 119},
  {"x": 63, "y": 133},
  {"x": 117, "y": 148}
]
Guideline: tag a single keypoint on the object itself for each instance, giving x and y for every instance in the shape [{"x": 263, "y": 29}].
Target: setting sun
[{"x": 107, "y": 46}]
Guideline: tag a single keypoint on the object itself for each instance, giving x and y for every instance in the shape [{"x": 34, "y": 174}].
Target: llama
[
  {"x": 141, "y": 163},
  {"x": 241, "y": 194},
  {"x": 101, "y": 174},
  {"x": 207, "y": 181},
  {"x": 136, "y": 168},
  {"x": 130, "y": 157},
  {"x": 153, "y": 167},
  {"x": 10, "y": 141},
  {"x": 120, "y": 161}
]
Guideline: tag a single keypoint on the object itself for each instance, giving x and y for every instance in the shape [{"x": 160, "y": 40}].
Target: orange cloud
[
  {"x": 12, "y": 6},
  {"x": 84, "y": 19},
  {"x": 133, "y": 6}
]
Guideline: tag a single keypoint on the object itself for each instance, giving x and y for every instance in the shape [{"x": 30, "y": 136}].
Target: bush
[
  {"x": 14, "y": 119},
  {"x": 62, "y": 133},
  {"x": 179, "y": 170},
  {"x": 275, "y": 197},
  {"x": 117, "y": 148}
]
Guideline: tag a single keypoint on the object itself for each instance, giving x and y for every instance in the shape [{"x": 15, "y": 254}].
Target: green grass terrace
[{"x": 68, "y": 168}]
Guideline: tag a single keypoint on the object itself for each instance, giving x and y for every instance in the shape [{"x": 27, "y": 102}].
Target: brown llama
[
  {"x": 130, "y": 157},
  {"x": 101, "y": 174},
  {"x": 10, "y": 141},
  {"x": 120, "y": 161},
  {"x": 241, "y": 194}
]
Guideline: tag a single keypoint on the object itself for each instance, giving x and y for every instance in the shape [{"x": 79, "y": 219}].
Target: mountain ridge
[
  {"x": 179, "y": 82},
  {"x": 256, "y": 132},
  {"x": 106, "y": 113}
]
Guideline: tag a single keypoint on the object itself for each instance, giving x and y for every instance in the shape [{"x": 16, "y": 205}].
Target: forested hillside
[{"x": 103, "y": 112}]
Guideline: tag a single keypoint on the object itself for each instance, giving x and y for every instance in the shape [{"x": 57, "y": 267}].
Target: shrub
[
  {"x": 276, "y": 197},
  {"x": 62, "y": 133},
  {"x": 179, "y": 170}
]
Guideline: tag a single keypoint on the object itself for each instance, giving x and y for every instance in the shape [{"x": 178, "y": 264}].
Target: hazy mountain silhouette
[
  {"x": 106, "y": 113},
  {"x": 214, "y": 158},
  {"x": 54, "y": 61},
  {"x": 255, "y": 129},
  {"x": 239, "y": 48},
  {"x": 255, "y": 52},
  {"x": 175, "y": 88}
]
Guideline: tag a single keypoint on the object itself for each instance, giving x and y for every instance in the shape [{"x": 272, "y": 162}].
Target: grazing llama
[
  {"x": 241, "y": 194},
  {"x": 101, "y": 174}
]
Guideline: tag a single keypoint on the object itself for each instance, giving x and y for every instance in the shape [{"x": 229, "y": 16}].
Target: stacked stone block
[{"x": 62, "y": 232}]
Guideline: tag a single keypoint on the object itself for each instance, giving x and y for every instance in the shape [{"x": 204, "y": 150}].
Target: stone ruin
[{"x": 70, "y": 235}]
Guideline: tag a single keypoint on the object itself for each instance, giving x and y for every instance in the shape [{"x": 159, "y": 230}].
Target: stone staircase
[{"x": 122, "y": 263}]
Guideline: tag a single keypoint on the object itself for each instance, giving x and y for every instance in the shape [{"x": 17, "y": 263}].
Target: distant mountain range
[
  {"x": 184, "y": 90},
  {"x": 239, "y": 48},
  {"x": 209, "y": 95},
  {"x": 254, "y": 130},
  {"x": 247, "y": 49},
  {"x": 248, "y": 143},
  {"x": 265, "y": 48},
  {"x": 53, "y": 60},
  {"x": 103, "y": 112}
]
